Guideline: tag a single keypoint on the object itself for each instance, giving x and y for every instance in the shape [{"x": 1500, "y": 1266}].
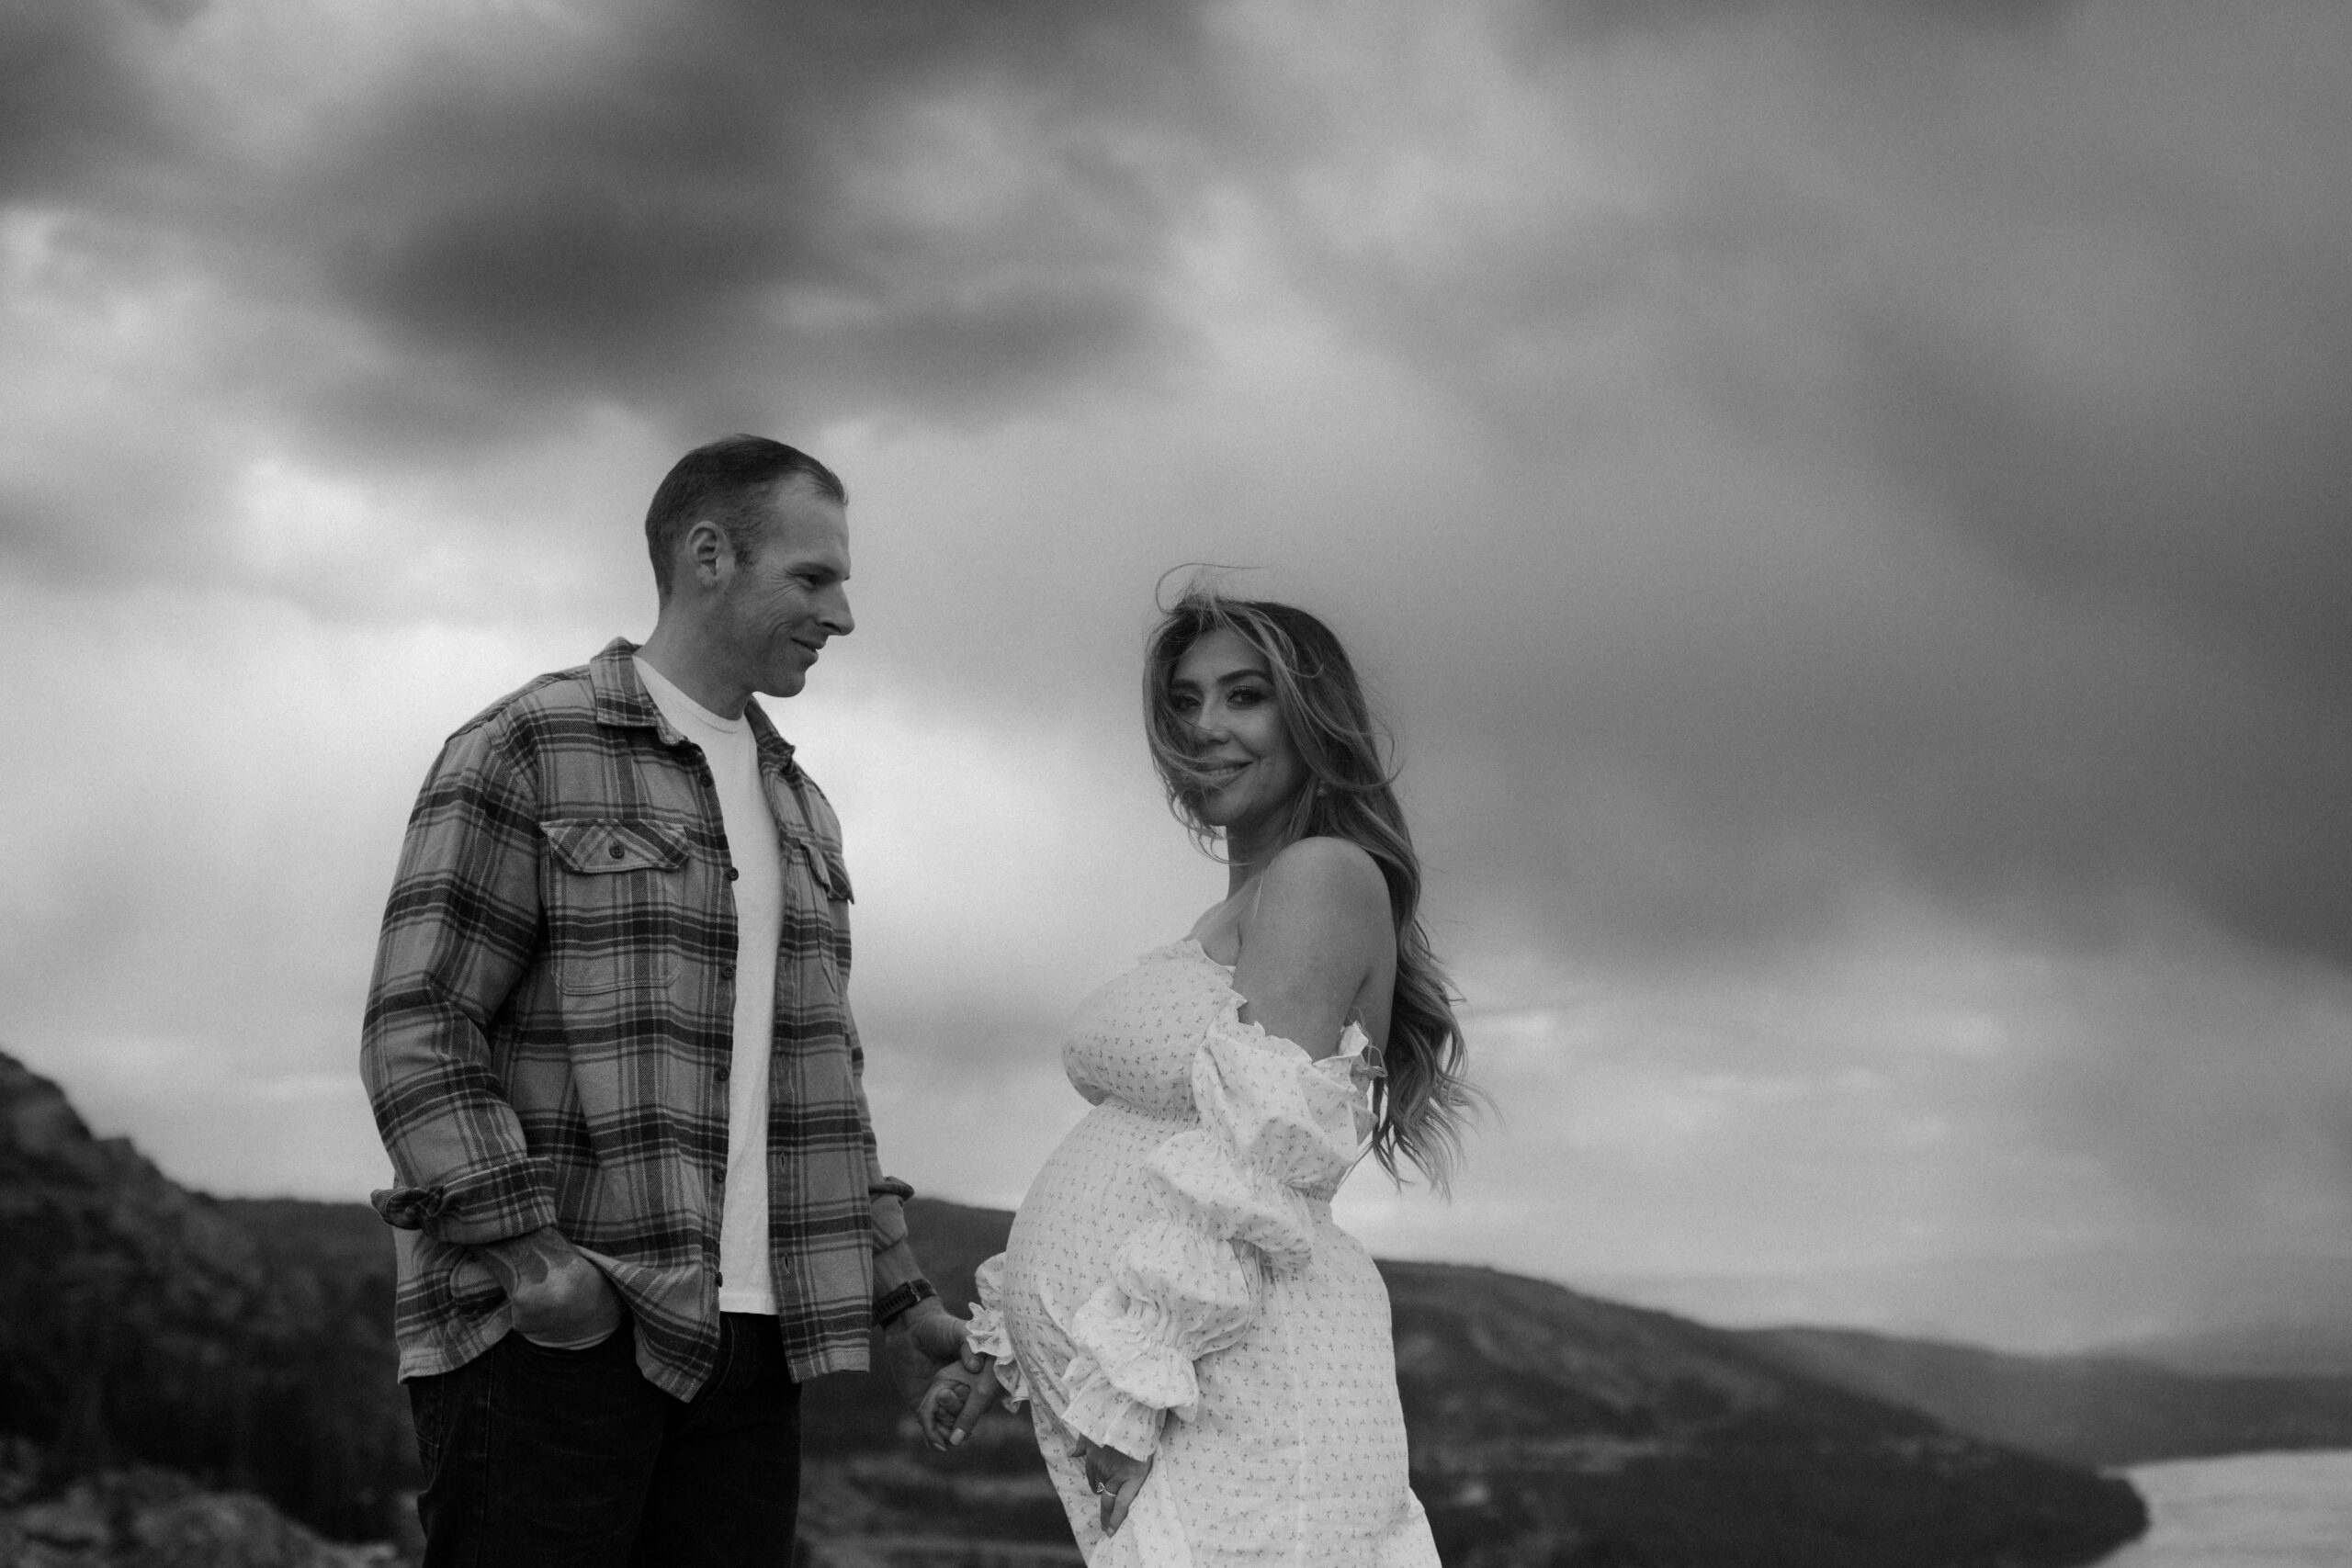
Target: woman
[{"x": 1207, "y": 1353}]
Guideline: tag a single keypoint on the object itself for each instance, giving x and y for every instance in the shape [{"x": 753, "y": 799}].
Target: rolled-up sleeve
[
  {"x": 894, "y": 1265},
  {"x": 461, "y": 926}
]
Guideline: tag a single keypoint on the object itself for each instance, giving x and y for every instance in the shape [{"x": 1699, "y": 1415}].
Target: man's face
[{"x": 778, "y": 608}]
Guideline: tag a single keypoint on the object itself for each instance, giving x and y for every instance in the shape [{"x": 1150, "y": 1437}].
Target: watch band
[{"x": 899, "y": 1300}]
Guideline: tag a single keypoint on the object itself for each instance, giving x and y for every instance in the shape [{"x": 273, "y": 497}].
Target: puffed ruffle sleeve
[
  {"x": 985, "y": 1332},
  {"x": 1235, "y": 1209}
]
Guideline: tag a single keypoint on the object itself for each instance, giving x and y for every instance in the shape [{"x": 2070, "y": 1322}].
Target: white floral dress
[{"x": 1174, "y": 1286}]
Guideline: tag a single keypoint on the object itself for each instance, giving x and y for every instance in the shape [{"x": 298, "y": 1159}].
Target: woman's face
[{"x": 1223, "y": 691}]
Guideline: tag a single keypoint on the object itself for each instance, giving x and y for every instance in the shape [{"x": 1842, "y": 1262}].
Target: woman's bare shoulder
[
  {"x": 1317, "y": 936},
  {"x": 1329, "y": 864},
  {"x": 1329, "y": 882}
]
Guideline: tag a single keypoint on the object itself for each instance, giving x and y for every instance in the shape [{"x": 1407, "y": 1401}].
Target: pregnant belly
[{"x": 1091, "y": 1195}]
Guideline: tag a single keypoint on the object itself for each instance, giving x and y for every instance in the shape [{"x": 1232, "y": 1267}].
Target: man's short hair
[{"x": 732, "y": 482}]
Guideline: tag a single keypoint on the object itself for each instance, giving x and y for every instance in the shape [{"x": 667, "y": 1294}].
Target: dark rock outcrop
[{"x": 143, "y": 1323}]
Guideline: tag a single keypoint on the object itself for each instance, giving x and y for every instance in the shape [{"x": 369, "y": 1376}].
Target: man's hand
[
  {"x": 1114, "y": 1477},
  {"x": 926, "y": 1338},
  {"x": 558, "y": 1298},
  {"x": 957, "y": 1398}
]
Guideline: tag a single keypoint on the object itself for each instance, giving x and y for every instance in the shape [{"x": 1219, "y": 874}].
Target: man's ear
[{"x": 708, "y": 556}]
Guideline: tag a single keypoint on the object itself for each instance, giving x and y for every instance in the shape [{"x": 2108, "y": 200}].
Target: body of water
[{"x": 2250, "y": 1511}]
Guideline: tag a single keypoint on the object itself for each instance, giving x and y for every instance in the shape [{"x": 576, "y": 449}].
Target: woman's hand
[
  {"x": 959, "y": 1395},
  {"x": 1114, "y": 1477}
]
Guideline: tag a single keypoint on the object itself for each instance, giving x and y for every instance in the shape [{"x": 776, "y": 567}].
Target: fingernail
[{"x": 956, "y": 1437}]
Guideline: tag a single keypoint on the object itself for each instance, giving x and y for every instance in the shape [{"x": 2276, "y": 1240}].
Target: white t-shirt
[{"x": 733, "y": 753}]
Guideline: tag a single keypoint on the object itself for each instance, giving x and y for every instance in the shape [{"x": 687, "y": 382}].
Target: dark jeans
[{"x": 570, "y": 1459}]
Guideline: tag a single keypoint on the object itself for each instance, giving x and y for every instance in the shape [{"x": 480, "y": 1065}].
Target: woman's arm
[{"x": 1318, "y": 930}]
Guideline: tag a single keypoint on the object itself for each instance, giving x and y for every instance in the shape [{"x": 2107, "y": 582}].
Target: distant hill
[
  {"x": 2248, "y": 1311},
  {"x": 2305, "y": 1345},
  {"x": 1601, "y": 1432},
  {"x": 2099, "y": 1410},
  {"x": 247, "y": 1343}
]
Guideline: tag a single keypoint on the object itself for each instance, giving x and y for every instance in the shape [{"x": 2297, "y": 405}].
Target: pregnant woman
[{"x": 1207, "y": 1355}]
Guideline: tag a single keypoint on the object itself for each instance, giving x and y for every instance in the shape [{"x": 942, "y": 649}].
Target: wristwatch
[{"x": 899, "y": 1300}]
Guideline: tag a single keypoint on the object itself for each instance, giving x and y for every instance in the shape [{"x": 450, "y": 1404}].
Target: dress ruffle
[
  {"x": 1277, "y": 1131},
  {"x": 985, "y": 1332},
  {"x": 1174, "y": 1211}
]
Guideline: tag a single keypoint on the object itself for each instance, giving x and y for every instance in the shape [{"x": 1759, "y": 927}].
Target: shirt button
[
  {"x": 723, "y": 1276},
  {"x": 732, "y": 873},
  {"x": 721, "y": 1074},
  {"x": 617, "y": 852},
  {"x": 727, "y": 971}
]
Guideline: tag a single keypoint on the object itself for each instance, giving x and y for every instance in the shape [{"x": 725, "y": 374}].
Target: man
[{"x": 611, "y": 1057}]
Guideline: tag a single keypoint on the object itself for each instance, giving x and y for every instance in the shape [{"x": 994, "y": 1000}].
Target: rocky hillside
[
  {"x": 141, "y": 1322},
  {"x": 1612, "y": 1434},
  {"x": 248, "y": 1344}
]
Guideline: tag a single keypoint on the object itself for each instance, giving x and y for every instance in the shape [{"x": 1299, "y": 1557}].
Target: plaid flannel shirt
[{"x": 550, "y": 1026}]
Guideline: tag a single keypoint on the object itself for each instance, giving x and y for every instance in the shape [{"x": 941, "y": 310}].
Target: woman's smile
[{"x": 1244, "y": 766}]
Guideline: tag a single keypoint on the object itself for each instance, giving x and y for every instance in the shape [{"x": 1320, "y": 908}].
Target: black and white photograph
[{"x": 1009, "y": 784}]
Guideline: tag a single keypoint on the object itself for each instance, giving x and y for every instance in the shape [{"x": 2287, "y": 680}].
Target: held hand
[
  {"x": 918, "y": 1344},
  {"x": 1114, "y": 1477},
  {"x": 955, "y": 1400},
  {"x": 557, "y": 1296}
]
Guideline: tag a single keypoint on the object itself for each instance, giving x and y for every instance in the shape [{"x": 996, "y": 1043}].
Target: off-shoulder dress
[{"x": 1174, "y": 1286}]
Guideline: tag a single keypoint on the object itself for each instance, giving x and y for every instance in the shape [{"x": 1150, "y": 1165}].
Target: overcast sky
[{"x": 1844, "y": 503}]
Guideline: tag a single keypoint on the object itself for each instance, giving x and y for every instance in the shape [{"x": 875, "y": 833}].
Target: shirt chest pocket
[
  {"x": 829, "y": 882},
  {"x": 615, "y": 902}
]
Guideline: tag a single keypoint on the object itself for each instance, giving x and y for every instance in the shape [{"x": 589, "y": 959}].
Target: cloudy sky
[{"x": 1845, "y": 503}]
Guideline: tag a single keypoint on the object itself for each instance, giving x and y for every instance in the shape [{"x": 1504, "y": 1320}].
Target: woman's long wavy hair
[{"x": 1424, "y": 1101}]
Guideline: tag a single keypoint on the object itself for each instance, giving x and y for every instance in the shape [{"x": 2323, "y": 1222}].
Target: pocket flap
[
  {"x": 825, "y": 864},
  {"x": 836, "y": 877},
  {"x": 594, "y": 845},
  {"x": 827, "y": 868}
]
